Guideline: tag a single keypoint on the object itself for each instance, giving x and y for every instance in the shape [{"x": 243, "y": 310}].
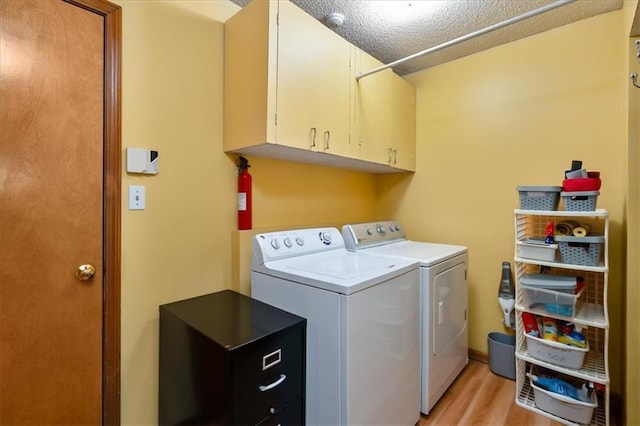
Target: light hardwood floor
[{"x": 479, "y": 397}]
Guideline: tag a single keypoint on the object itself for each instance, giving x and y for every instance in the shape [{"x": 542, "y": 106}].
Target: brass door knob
[{"x": 85, "y": 272}]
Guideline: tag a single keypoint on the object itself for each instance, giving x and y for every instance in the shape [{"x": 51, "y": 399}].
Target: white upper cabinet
[
  {"x": 385, "y": 115},
  {"x": 314, "y": 84},
  {"x": 403, "y": 124},
  {"x": 288, "y": 81},
  {"x": 373, "y": 109},
  {"x": 290, "y": 93}
]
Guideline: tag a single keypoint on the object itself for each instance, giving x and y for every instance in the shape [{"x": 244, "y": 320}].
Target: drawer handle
[{"x": 264, "y": 388}]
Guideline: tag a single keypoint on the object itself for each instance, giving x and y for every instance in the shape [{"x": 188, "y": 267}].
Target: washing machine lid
[
  {"x": 339, "y": 270},
  {"x": 428, "y": 254}
]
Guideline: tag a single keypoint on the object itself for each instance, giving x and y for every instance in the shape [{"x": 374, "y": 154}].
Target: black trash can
[{"x": 502, "y": 354}]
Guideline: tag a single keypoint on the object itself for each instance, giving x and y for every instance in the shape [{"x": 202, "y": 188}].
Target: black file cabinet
[{"x": 227, "y": 359}]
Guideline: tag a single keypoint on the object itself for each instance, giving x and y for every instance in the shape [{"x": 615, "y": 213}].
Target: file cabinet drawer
[{"x": 268, "y": 375}]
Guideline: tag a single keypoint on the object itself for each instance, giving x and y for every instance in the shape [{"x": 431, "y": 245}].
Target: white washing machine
[
  {"x": 443, "y": 296},
  {"x": 362, "y": 312}
]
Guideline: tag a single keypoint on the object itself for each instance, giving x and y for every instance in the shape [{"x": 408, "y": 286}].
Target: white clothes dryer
[
  {"x": 362, "y": 312},
  {"x": 443, "y": 300}
]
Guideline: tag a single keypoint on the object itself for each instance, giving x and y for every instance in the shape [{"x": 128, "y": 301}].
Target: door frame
[{"x": 112, "y": 177}]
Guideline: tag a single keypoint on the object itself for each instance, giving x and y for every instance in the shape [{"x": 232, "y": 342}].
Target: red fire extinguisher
[{"x": 244, "y": 194}]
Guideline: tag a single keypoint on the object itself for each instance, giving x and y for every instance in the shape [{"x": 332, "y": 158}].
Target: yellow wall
[
  {"x": 516, "y": 115},
  {"x": 289, "y": 195},
  {"x": 182, "y": 244},
  {"x": 632, "y": 343}
]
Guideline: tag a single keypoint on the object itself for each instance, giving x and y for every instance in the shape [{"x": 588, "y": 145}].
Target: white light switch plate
[{"x": 137, "y": 198}]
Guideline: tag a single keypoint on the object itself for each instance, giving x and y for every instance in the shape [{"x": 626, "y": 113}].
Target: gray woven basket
[
  {"x": 539, "y": 197},
  {"x": 580, "y": 250},
  {"x": 582, "y": 201}
]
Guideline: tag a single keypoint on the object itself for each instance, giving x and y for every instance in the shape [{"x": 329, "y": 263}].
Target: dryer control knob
[
  {"x": 287, "y": 242},
  {"x": 325, "y": 237},
  {"x": 275, "y": 244},
  {"x": 299, "y": 241},
  {"x": 369, "y": 231},
  {"x": 381, "y": 230}
]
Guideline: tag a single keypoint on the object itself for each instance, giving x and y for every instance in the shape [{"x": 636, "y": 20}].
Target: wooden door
[{"x": 59, "y": 209}]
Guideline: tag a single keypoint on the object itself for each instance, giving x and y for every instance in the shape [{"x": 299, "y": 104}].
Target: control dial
[
  {"x": 287, "y": 242},
  {"x": 325, "y": 237},
  {"x": 381, "y": 230},
  {"x": 275, "y": 244}
]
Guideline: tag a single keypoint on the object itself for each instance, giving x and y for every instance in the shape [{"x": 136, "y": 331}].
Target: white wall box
[
  {"x": 289, "y": 91},
  {"x": 142, "y": 160},
  {"x": 590, "y": 313}
]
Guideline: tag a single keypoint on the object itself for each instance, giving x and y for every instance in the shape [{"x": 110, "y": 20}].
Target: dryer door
[{"x": 449, "y": 308}]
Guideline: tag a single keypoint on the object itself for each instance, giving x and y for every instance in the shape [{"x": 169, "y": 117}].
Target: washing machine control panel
[
  {"x": 284, "y": 244},
  {"x": 371, "y": 234}
]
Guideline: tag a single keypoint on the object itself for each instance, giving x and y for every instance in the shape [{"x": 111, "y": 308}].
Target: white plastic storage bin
[
  {"x": 580, "y": 250},
  {"x": 561, "y": 283},
  {"x": 554, "y": 294},
  {"x": 580, "y": 201},
  {"x": 537, "y": 250},
  {"x": 563, "y": 406},
  {"x": 555, "y": 352},
  {"x": 539, "y": 197}
]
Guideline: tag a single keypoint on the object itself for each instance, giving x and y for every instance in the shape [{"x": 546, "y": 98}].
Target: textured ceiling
[{"x": 391, "y": 30}]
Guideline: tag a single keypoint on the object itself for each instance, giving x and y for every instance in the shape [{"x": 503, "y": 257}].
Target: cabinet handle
[
  {"x": 264, "y": 388},
  {"x": 389, "y": 150},
  {"x": 327, "y": 138},
  {"x": 395, "y": 156},
  {"x": 314, "y": 131}
]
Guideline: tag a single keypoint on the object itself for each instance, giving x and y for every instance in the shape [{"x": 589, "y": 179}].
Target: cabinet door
[
  {"x": 373, "y": 111},
  {"x": 298, "y": 72},
  {"x": 334, "y": 93},
  {"x": 403, "y": 114},
  {"x": 314, "y": 84},
  {"x": 250, "y": 76}
]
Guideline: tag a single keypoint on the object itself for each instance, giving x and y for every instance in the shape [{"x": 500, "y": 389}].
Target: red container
[{"x": 581, "y": 184}]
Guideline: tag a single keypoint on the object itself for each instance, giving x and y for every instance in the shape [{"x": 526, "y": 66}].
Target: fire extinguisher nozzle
[{"x": 242, "y": 163}]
